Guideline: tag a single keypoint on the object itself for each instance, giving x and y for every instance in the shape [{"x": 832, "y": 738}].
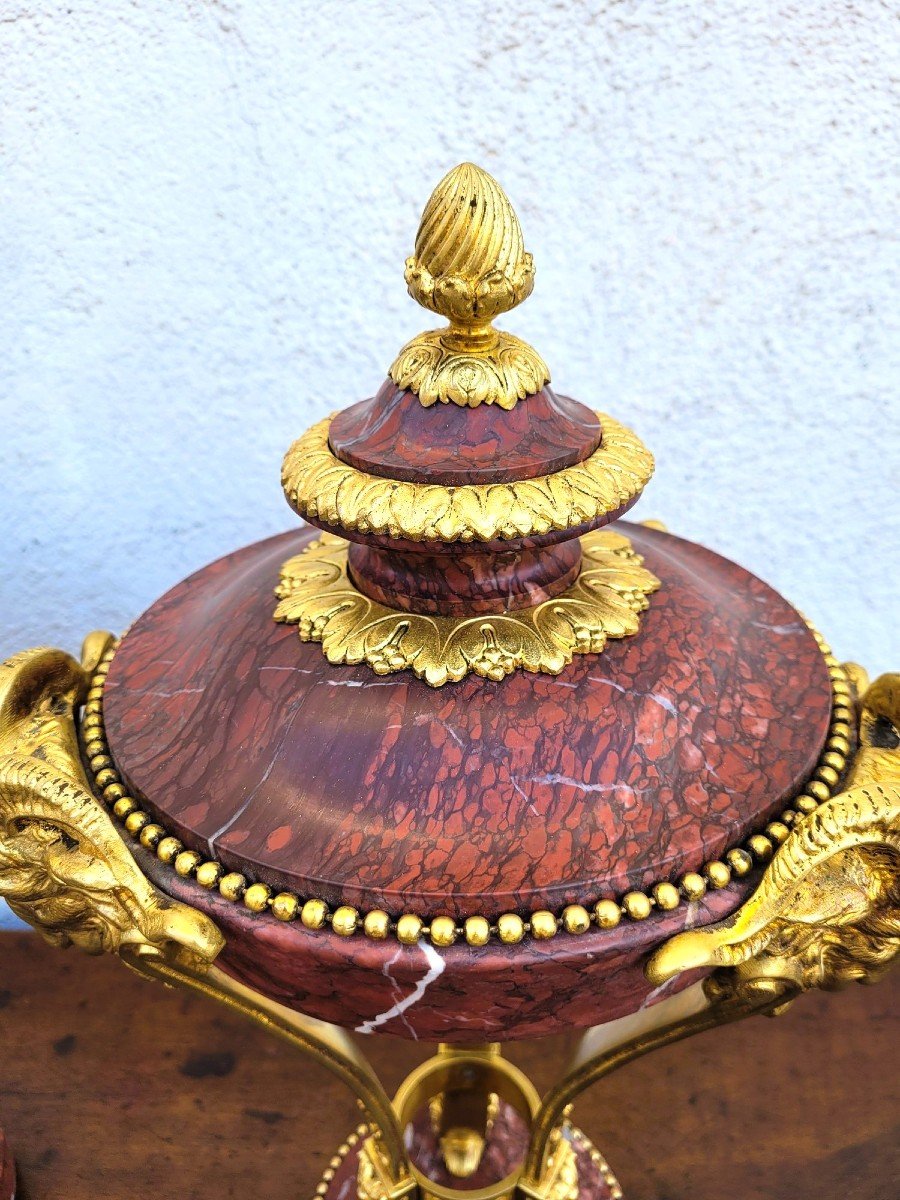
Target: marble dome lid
[
  {"x": 626, "y": 769},
  {"x": 475, "y": 711}
]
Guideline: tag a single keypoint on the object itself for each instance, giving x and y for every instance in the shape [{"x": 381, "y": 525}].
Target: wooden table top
[{"x": 112, "y": 1088}]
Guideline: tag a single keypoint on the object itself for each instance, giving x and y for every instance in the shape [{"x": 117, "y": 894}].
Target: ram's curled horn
[
  {"x": 64, "y": 867},
  {"x": 812, "y": 882},
  {"x": 878, "y": 758}
]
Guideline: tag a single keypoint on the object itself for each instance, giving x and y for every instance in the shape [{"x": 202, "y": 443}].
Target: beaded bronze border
[
  {"x": 477, "y": 930},
  {"x": 359, "y": 1134},
  {"x": 582, "y": 1141}
]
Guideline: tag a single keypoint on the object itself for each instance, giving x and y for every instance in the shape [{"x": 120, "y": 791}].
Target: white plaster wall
[{"x": 206, "y": 207}]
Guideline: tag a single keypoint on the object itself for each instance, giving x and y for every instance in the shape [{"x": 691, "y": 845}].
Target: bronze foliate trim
[
  {"x": 319, "y": 486},
  {"x": 436, "y": 368},
  {"x": 605, "y": 601}
]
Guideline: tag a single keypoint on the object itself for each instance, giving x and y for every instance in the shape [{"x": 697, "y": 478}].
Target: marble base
[{"x": 504, "y": 1151}]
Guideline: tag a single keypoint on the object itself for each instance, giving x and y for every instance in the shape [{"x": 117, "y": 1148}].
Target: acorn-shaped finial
[
  {"x": 470, "y": 261},
  {"x": 470, "y": 264}
]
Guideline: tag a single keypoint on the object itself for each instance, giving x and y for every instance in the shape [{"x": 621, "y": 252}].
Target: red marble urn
[{"x": 449, "y": 759}]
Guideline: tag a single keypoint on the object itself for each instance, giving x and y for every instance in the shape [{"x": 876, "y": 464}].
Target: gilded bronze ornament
[
  {"x": 469, "y": 265},
  {"x": 606, "y": 600},
  {"x": 65, "y": 869},
  {"x": 319, "y": 486},
  {"x": 63, "y": 866},
  {"x": 827, "y": 911}
]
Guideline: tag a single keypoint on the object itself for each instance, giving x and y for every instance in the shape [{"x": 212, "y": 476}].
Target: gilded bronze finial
[{"x": 469, "y": 265}]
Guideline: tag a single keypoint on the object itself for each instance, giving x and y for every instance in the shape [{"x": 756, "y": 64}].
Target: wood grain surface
[{"x": 112, "y": 1088}]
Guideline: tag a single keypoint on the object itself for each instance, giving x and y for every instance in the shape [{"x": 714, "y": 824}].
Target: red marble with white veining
[
  {"x": 467, "y": 582},
  {"x": 629, "y": 767},
  {"x": 460, "y": 578},
  {"x": 393, "y": 435},
  {"x": 461, "y": 994}
]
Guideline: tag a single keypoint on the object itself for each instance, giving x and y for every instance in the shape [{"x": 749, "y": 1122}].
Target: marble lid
[{"x": 626, "y": 769}]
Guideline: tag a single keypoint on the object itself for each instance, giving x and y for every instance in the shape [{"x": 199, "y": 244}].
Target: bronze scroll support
[{"x": 65, "y": 870}]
